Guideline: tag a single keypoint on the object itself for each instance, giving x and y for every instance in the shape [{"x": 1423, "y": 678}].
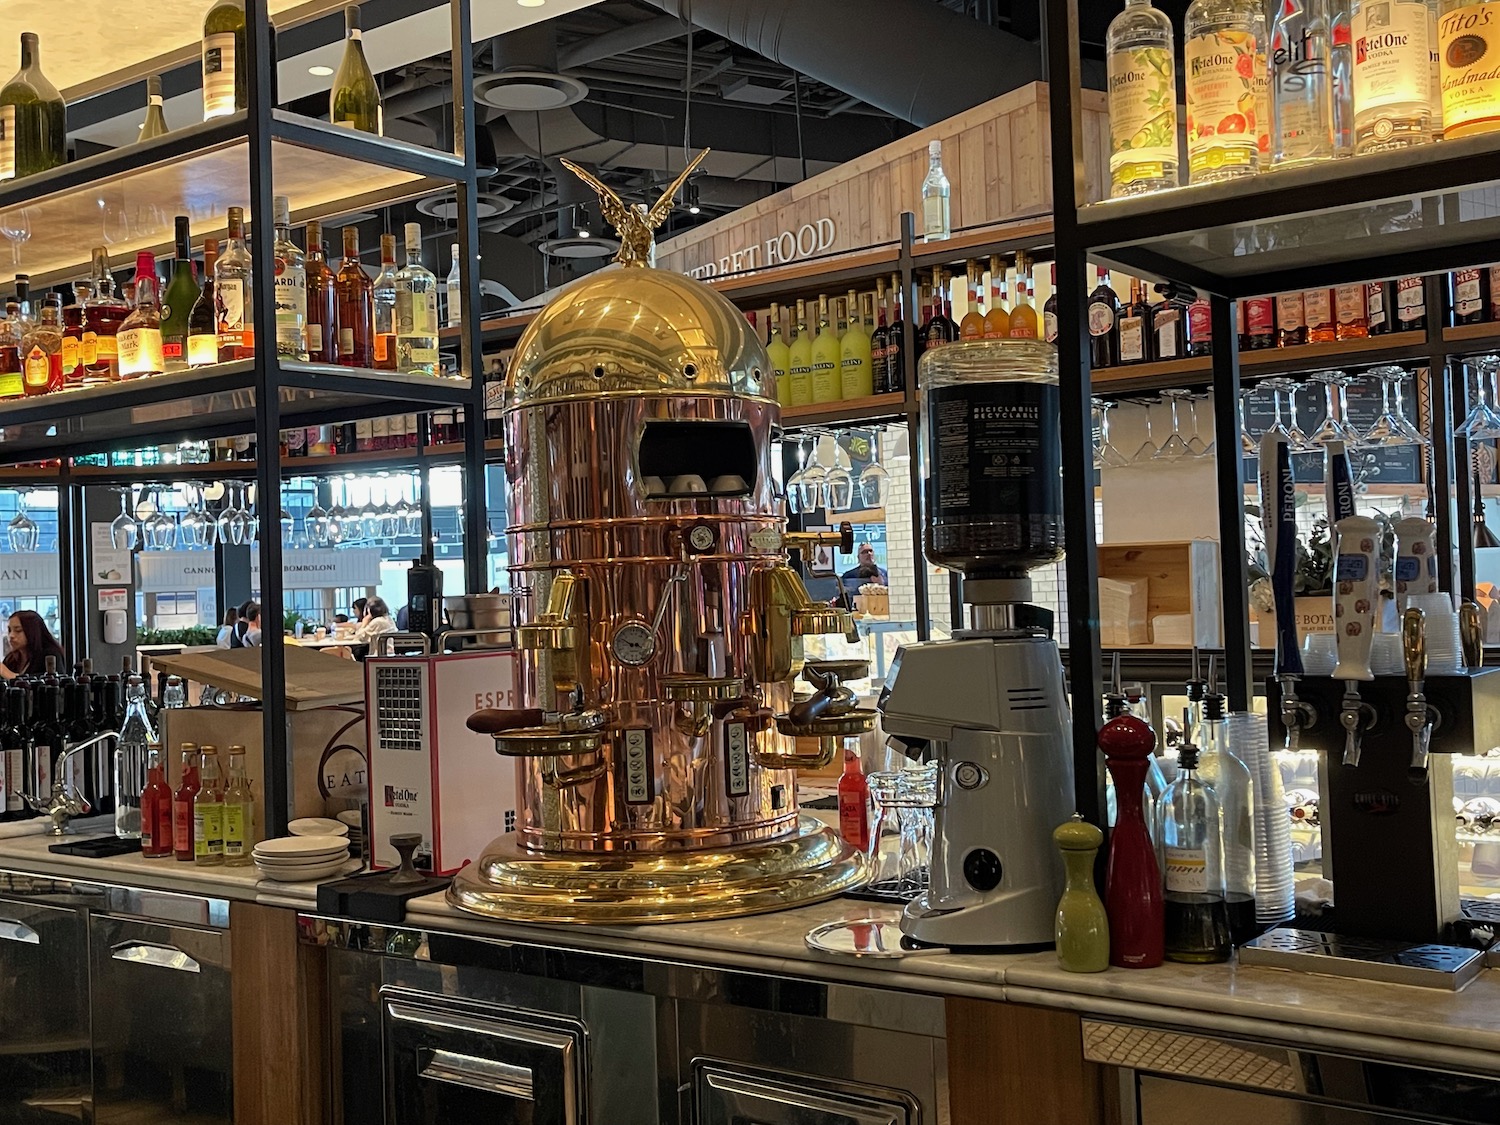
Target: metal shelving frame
[{"x": 264, "y": 394}]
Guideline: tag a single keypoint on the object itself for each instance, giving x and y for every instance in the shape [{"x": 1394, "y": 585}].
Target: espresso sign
[{"x": 810, "y": 238}]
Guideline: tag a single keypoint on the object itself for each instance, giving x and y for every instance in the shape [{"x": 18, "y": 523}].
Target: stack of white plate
[{"x": 301, "y": 859}]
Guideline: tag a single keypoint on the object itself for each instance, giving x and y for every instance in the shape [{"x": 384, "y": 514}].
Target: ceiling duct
[
  {"x": 940, "y": 64},
  {"x": 526, "y": 76}
]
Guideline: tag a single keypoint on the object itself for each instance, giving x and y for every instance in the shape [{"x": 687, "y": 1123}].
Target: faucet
[
  {"x": 1355, "y": 716},
  {"x": 1297, "y": 715},
  {"x": 1419, "y": 715},
  {"x": 61, "y": 806}
]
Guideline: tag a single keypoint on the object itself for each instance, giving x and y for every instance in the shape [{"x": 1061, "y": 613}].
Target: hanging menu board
[{"x": 1401, "y": 464}]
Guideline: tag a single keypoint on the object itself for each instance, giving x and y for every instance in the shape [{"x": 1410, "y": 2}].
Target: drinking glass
[
  {"x": 1149, "y": 447},
  {"x": 794, "y": 482},
  {"x": 408, "y": 511},
  {"x": 838, "y": 485},
  {"x": 160, "y": 527},
  {"x": 22, "y": 530},
  {"x": 1249, "y": 447},
  {"x": 15, "y": 228},
  {"x": 1333, "y": 427},
  {"x": 874, "y": 480},
  {"x": 369, "y": 515},
  {"x": 1389, "y": 429},
  {"x": 1481, "y": 423},
  {"x": 315, "y": 523},
  {"x": 1196, "y": 445},
  {"x": 814, "y": 476},
  {"x": 1108, "y": 454},
  {"x": 194, "y": 528},
  {"x": 124, "y": 530},
  {"x": 288, "y": 529},
  {"x": 1174, "y": 448},
  {"x": 390, "y": 522}
]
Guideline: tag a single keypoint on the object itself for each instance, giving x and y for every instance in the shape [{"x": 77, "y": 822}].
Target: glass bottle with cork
[
  {"x": 239, "y": 812},
  {"x": 997, "y": 317},
  {"x": 777, "y": 352},
  {"x": 41, "y": 352},
  {"x": 178, "y": 298},
  {"x": 131, "y": 764},
  {"x": 208, "y": 811},
  {"x": 289, "y": 287},
  {"x": 799, "y": 358},
  {"x": 36, "y": 116},
  {"x": 416, "y": 311},
  {"x": 971, "y": 327},
  {"x": 183, "y": 840}
]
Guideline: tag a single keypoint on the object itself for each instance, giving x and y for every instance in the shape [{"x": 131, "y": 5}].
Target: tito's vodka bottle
[
  {"x": 1224, "y": 45},
  {"x": 1142, "y": 100},
  {"x": 1302, "y": 82}
]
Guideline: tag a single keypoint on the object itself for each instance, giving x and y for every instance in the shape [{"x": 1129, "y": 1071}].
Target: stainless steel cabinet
[
  {"x": 161, "y": 1022},
  {"x": 44, "y": 1013}
]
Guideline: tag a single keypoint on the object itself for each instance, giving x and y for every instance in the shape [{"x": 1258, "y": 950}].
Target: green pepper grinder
[{"x": 1082, "y": 929}]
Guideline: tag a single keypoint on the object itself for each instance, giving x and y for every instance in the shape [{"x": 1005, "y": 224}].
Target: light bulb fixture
[
  {"x": 580, "y": 221},
  {"x": 692, "y": 198},
  {"x": 320, "y": 71},
  {"x": 531, "y": 3}
]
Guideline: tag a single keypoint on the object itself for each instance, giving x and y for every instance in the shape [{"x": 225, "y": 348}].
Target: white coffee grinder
[{"x": 989, "y": 705}]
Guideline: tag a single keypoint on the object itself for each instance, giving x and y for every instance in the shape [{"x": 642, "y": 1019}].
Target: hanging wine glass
[
  {"x": 1332, "y": 429},
  {"x": 1296, "y": 436},
  {"x": 315, "y": 523},
  {"x": 1149, "y": 447},
  {"x": 1197, "y": 447},
  {"x": 390, "y": 522},
  {"x": 407, "y": 510},
  {"x": 814, "y": 476},
  {"x": 288, "y": 529},
  {"x": 22, "y": 530},
  {"x": 1413, "y": 430},
  {"x": 230, "y": 532},
  {"x": 161, "y": 527},
  {"x": 369, "y": 515},
  {"x": 1174, "y": 448},
  {"x": 1481, "y": 423},
  {"x": 838, "y": 485},
  {"x": 124, "y": 530},
  {"x": 1108, "y": 455},
  {"x": 794, "y": 482},
  {"x": 1249, "y": 447},
  {"x": 349, "y": 527},
  {"x": 874, "y": 480},
  {"x": 251, "y": 513},
  {"x": 189, "y": 531},
  {"x": 1388, "y": 430}
]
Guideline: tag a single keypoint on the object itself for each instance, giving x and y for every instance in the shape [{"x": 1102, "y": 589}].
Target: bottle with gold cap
[
  {"x": 826, "y": 383},
  {"x": 857, "y": 378},
  {"x": 997, "y": 318},
  {"x": 208, "y": 812},
  {"x": 1082, "y": 929},
  {"x": 971, "y": 327},
  {"x": 779, "y": 354},
  {"x": 239, "y": 812},
  {"x": 1023, "y": 324},
  {"x": 799, "y": 361}
]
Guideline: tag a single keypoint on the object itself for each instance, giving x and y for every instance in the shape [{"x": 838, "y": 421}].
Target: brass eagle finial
[{"x": 632, "y": 221}]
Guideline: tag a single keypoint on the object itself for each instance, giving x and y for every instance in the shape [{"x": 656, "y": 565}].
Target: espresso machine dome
[
  {"x": 989, "y": 705},
  {"x": 658, "y": 624}
]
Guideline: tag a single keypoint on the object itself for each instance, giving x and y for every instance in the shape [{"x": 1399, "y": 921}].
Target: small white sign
[
  {"x": 118, "y": 598},
  {"x": 106, "y": 563}
]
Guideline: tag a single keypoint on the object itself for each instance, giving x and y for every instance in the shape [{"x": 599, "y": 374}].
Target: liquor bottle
[
  {"x": 208, "y": 812},
  {"x": 1169, "y": 324},
  {"x": 72, "y": 345},
  {"x": 1378, "y": 307},
  {"x": 1196, "y": 914},
  {"x": 354, "y": 101},
  {"x": 1467, "y": 43},
  {"x": 155, "y": 124},
  {"x": 935, "y": 215},
  {"x": 225, "y": 88},
  {"x": 880, "y": 340},
  {"x": 156, "y": 809},
  {"x": 1411, "y": 304},
  {"x": 131, "y": 765},
  {"x": 1317, "y": 314},
  {"x": 356, "y": 300},
  {"x": 997, "y": 318},
  {"x": 177, "y": 301},
  {"x": 102, "y": 318},
  {"x": 971, "y": 327},
  {"x": 855, "y": 361},
  {"x": 1049, "y": 311},
  {"x": 1302, "y": 82},
  {"x": 16, "y": 753},
  {"x": 290, "y": 287},
  {"x": 183, "y": 840},
  {"x": 41, "y": 352},
  {"x": 47, "y": 734},
  {"x": 1291, "y": 325},
  {"x": 1393, "y": 92},
  {"x": 779, "y": 355},
  {"x": 383, "y": 293},
  {"x": 203, "y": 320},
  {"x": 1023, "y": 319},
  {"x": 453, "y": 312},
  {"x": 1134, "y": 335},
  {"x": 11, "y": 383},
  {"x": 799, "y": 359},
  {"x": 1341, "y": 55},
  {"x": 942, "y": 329},
  {"x": 33, "y": 118},
  {"x": 140, "y": 341},
  {"x": 854, "y": 803},
  {"x": 1468, "y": 297},
  {"x": 1493, "y": 310},
  {"x": 1223, "y": 41},
  {"x": 416, "y": 309},
  {"x": 895, "y": 341},
  {"x": 234, "y": 292},
  {"x": 1104, "y": 336},
  {"x": 824, "y": 379},
  {"x": 1350, "y": 312},
  {"x": 1260, "y": 323},
  {"x": 1200, "y": 331},
  {"x": 322, "y": 302},
  {"x": 1142, "y": 86},
  {"x": 1222, "y": 771},
  {"x": 239, "y": 812}
]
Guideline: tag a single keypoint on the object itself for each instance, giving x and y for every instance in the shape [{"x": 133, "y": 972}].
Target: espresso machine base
[{"x": 630, "y": 888}]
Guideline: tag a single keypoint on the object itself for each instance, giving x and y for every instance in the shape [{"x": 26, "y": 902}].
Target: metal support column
[
  {"x": 1229, "y": 467},
  {"x": 1440, "y": 470},
  {"x": 913, "y": 420},
  {"x": 470, "y": 342},
  {"x": 261, "y": 62},
  {"x": 1069, "y": 190}
]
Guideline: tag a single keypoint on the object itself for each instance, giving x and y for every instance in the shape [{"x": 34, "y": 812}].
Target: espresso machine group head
[{"x": 989, "y": 706}]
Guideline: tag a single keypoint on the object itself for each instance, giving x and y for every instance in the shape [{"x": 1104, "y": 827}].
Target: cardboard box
[
  {"x": 1123, "y": 605},
  {"x": 1183, "y": 578}
]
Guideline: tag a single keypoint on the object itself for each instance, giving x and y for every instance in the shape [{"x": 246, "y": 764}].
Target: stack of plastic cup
[
  {"x": 1445, "y": 654},
  {"x": 1385, "y": 655},
  {"x": 1250, "y": 741}
]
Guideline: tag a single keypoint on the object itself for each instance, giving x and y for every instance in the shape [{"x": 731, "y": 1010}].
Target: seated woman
[
  {"x": 31, "y": 642},
  {"x": 376, "y": 620}
]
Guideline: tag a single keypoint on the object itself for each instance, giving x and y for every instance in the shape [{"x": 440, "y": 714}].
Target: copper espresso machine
[{"x": 658, "y": 624}]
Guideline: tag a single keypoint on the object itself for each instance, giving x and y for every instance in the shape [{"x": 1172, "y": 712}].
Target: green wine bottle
[
  {"x": 155, "y": 124},
  {"x": 33, "y": 118},
  {"x": 354, "y": 101},
  {"x": 178, "y": 299},
  {"x": 225, "y": 80}
]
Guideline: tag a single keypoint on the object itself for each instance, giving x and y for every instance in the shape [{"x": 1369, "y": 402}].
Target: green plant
[
  {"x": 1313, "y": 575},
  {"x": 289, "y": 621},
  {"x": 192, "y": 635}
]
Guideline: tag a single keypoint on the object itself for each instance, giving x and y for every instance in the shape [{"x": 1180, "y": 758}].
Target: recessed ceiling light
[
  {"x": 531, "y": 3},
  {"x": 320, "y": 71}
]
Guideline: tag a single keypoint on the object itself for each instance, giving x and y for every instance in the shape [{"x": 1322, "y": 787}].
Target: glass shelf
[
  {"x": 208, "y": 402},
  {"x": 1427, "y": 209},
  {"x": 125, "y": 199}
]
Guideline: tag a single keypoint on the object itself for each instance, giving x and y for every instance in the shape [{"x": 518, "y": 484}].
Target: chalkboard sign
[{"x": 1400, "y": 464}]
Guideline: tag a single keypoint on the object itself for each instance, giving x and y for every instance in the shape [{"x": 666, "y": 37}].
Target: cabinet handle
[
  {"x": 485, "y": 1075},
  {"x": 149, "y": 953},
  {"x": 11, "y": 930}
]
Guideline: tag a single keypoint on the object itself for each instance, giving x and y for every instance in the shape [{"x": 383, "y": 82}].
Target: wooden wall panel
[{"x": 996, "y": 157}]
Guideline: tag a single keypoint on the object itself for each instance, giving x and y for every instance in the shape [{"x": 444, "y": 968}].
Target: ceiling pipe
[
  {"x": 947, "y": 62},
  {"x": 622, "y": 41}
]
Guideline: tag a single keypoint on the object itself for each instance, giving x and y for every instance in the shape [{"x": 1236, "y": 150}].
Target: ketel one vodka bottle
[
  {"x": 1224, "y": 48},
  {"x": 1142, "y": 79}
]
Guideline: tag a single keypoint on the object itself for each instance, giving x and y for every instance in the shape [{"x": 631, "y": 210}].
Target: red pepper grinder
[{"x": 1132, "y": 882}]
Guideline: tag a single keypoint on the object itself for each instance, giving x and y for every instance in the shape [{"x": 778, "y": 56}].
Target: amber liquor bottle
[
  {"x": 356, "y": 301},
  {"x": 322, "y": 325}
]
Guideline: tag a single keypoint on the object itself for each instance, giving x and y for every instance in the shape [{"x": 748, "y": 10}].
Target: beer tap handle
[
  {"x": 1355, "y": 577},
  {"x": 1415, "y": 570},
  {"x": 1471, "y": 631},
  {"x": 1414, "y": 646},
  {"x": 1278, "y": 508},
  {"x": 1418, "y": 716}
]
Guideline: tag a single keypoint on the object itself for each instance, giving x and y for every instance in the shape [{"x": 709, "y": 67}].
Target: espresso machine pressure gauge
[{"x": 634, "y": 643}]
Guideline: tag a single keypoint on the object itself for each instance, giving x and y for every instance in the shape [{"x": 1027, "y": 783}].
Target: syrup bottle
[
  {"x": 1133, "y": 881},
  {"x": 1082, "y": 930},
  {"x": 854, "y": 803}
]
